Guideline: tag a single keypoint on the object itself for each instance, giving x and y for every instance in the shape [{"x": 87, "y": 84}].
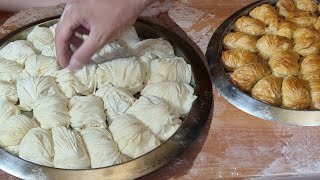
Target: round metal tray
[
  {"x": 242, "y": 100},
  {"x": 189, "y": 130}
]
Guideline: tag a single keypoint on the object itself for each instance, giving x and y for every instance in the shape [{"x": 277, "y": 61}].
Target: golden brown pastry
[
  {"x": 270, "y": 44},
  {"x": 314, "y": 87},
  {"x": 306, "y": 5},
  {"x": 286, "y": 8},
  {"x": 240, "y": 40},
  {"x": 282, "y": 28},
  {"x": 295, "y": 94},
  {"x": 247, "y": 75},
  {"x": 316, "y": 25},
  {"x": 310, "y": 68},
  {"x": 284, "y": 63},
  {"x": 268, "y": 90},
  {"x": 265, "y": 13},
  {"x": 306, "y": 41},
  {"x": 234, "y": 58},
  {"x": 304, "y": 19},
  {"x": 250, "y": 26}
]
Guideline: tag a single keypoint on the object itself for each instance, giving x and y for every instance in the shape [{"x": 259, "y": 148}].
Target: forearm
[{"x": 16, "y": 5}]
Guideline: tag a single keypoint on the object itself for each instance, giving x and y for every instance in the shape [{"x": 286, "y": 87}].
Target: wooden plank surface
[{"x": 233, "y": 144}]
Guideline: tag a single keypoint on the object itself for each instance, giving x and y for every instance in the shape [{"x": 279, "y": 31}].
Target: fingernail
[{"x": 75, "y": 65}]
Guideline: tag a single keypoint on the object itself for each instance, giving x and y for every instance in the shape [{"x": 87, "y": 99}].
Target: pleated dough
[
  {"x": 265, "y": 13},
  {"x": 52, "y": 111},
  {"x": 17, "y": 51},
  {"x": 49, "y": 50},
  {"x": 87, "y": 111},
  {"x": 38, "y": 65},
  {"x": 306, "y": 5},
  {"x": 269, "y": 44},
  {"x": 304, "y": 19},
  {"x": 239, "y": 40},
  {"x": 11, "y": 71},
  {"x": 268, "y": 90},
  {"x": 307, "y": 41},
  {"x": 53, "y": 30},
  {"x": 40, "y": 37},
  {"x": 247, "y": 75},
  {"x": 8, "y": 92},
  {"x": 82, "y": 82},
  {"x": 37, "y": 147},
  {"x": 7, "y": 109},
  {"x": 116, "y": 100},
  {"x": 30, "y": 89},
  {"x": 250, "y": 26},
  {"x": 286, "y": 8},
  {"x": 178, "y": 95},
  {"x": 70, "y": 152},
  {"x": 316, "y": 25},
  {"x": 295, "y": 93},
  {"x": 282, "y": 28},
  {"x": 102, "y": 149},
  {"x": 234, "y": 58},
  {"x": 164, "y": 124},
  {"x": 169, "y": 69},
  {"x": 310, "y": 68},
  {"x": 153, "y": 48},
  {"x": 314, "y": 87},
  {"x": 13, "y": 130},
  {"x": 134, "y": 139},
  {"x": 284, "y": 64},
  {"x": 128, "y": 73}
]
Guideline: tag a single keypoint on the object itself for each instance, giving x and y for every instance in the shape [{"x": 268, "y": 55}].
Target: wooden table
[{"x": 233, "y": 144}]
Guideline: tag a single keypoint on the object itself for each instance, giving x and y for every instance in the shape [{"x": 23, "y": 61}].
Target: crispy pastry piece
[
  {"x": 250, "y": 26},
  {"x": 314, "y": 87},
  {"x": 284, "y": 63},
  {"x": 310, "y": 68},
  {"x": 265, "y": 13},
  {"x": 268, "y": 90},
  {"x": 240, "y": 40},
  {"x": 286, "y": 8},
  {"x": 246, "y": 76},
  {"x": 307, "y": 41},
  {"x": 270, "y": 44},
  {"x": 234, "y": 58},
  {"x": 281, "y": 27},
  {"x": 306, "y": 5},
  {"x": 304, "y": 19},
  {"x": 295, "y": 94},
  {"x": 316, "y": 25}
]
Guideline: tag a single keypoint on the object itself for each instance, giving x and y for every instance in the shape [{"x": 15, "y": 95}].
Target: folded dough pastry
[
  {"x": 250, "y": 26},
  {"x": 304, "y": 19},
  {"x": 128, "y": 73},
  {"x": 265, "y": 13},
  {"x": 116, "y": 100},
  {"x": 234, "y": 58},
  {"x": 32, "y": 88},
  {"x": 82, "y": 82},
  {"x": 87, "y": 111},
  {"x": 40, "y": 37},
  {"x": 284, "y": 63},
  {"x": 307, "y": 41},
  {"x": 282, "y": 27},
  {"x": 306, "y": 5},
  {"x": 13, "y": 130},
  {"x": 314, "y": 87},
  {"x": 134, "y": 139},
  {"x": 295, "y": 94},
  {"x": 286, "y": 8},
  {"x": 178, "y": 95},
  {"x": 70, "y": 152},
  {"x": 8, "y": 92},
  {"x": 38, "y": 65},
  {"x": 53, "y": 30},
  {"x": 52, "y": 111},
  {"x": 7, "y": 109},
  {"x": 248, "y": 75},
  {"x": 269, "y": 44},
  {"x": 17, "y": 51},
  {"x": 102, "y": 149},
  {"x": 239, "y": 40},
  {"x": 310, "y": 68},
  {"x": 49, "y": 50},
  {"x": 11, "y": 71},
  {"x": 268, "y": 90},
  {"x": 164, "y": 124},
  {"x": 169, "y": 69},
  {"x": 37, "y": 147}
]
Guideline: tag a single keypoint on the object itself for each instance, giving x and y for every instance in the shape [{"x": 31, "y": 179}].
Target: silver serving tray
[
  {"x": 242, "y": 100},
  {"x": 185, "y": 135}
]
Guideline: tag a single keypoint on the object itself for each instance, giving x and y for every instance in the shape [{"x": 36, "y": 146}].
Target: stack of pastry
[{"x": 273, "y": 54}]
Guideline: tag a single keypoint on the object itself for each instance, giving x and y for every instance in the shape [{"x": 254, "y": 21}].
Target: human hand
[{"x": 103, "y": 20}]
